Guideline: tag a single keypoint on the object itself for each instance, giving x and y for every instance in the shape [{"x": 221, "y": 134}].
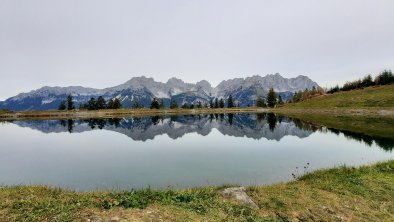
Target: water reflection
[
  {"x": 179, "y": 151},
  {"x": 262, "y": 125}
]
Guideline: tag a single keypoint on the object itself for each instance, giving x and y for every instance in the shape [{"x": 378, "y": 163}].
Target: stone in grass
[{"x": 239, "y": 194}]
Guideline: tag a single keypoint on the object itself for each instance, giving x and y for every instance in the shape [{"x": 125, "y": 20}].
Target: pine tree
[
  {"x": 216, "y": 103},
  {"x": 155, "y": 104},
  {"x": 117, "y": 104},
  {"x": 199, "y": 105},
  {"x": 62, "y": 105},
  {"x": 271, "y": 98},
  {"x": 173, "y": 104},
  {"x": 221, "y": 103},
  {"x": 70, "y": 103},
  {"x": 211, "y": 104},
  {"x": 260, "y": 102},
  {"x": 92, "y": 104},
  {"x": 110, "y": 104},
  {"x": 100, "y": 103},
  {"x": 367, "y": 81},
  {"x": 230, "y": 103}
]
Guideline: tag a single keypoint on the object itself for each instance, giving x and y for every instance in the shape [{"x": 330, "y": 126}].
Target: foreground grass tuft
[{"x": 344, "y": 193}]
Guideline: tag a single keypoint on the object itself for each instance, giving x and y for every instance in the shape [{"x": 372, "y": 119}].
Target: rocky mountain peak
[{"x": 143, "y": 89}]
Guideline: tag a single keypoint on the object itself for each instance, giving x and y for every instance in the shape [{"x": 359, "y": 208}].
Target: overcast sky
[{"x": 104, "y": 43}]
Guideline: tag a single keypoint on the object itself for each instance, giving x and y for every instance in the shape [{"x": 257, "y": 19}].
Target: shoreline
[
  {"x": 85, "y": 114},
  {"x": 342, "y": 193}
]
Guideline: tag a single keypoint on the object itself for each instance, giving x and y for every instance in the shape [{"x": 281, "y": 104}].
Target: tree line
[
  {"x": 92, "y": 104},
  {"x": 272, "y": 99},
  {"x": 383, "y": 78},
  {"x": 306, "y": 94},
  {"x": 214, "y": 103}
]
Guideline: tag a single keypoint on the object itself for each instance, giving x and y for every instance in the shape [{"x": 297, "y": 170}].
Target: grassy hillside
[
  {"x": 381, "y": 97},
  {"x": 341, "y": 194}
]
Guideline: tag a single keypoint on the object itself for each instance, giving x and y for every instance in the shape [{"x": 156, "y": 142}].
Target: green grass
[
  {"x": 381, "y": 97},
  {"x": 362, "y": 194}
]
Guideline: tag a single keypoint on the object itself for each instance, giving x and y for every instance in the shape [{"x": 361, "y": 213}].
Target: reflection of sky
[{"x": 107, "y": 159}]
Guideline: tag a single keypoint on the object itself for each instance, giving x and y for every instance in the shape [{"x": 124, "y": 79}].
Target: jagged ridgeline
[{"x": 142, "y": 90}]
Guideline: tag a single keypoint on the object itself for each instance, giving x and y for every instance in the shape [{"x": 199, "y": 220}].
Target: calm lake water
[{"x": 181, "y": 151}]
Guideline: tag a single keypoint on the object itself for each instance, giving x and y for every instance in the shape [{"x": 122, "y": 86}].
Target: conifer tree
[
  {"x": 100, "y": 103},
  {"x": 92, "y": 104},
  {"x": 62, "y": 105},
  {"x": 110, "y": 104},
  {"x": 199, "y": 105},
  {"x": 230, "y": 103},
  {"x": 117, "y": 104},
  {"x": 260, "y": 102},
  {"x": 155, "y": 104},
  {"x": 221, "y": 103},
  {"x": 70, "y": 103},
  {"x": 216, "y": 103},
  {"x": 173, "y": 104},
  {"x": 185, "y": 106},
  {"x": 271, "y": 98}
]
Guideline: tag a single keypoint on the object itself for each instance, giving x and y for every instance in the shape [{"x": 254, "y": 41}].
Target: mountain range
[{"x": 142, "y": 90}]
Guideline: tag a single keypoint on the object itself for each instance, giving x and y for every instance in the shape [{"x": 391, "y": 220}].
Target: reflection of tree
[
  {"x": 101, "y": 123},
  {"x": 63, "y": 123},
  {"x": 271, "y": 119},
  {"x": 70, "y": 124},
  {"x": 155, "y": 120},
  {"x": 230, "y": 118},
  {"x": 211, "y": 117},
  {"x": 221, "y": 117},
  {"x": 114, "y": 122},
  {"x": 260, "y": 117},
  {"x": 241, "y": 124},
  {"x": 385, "y": 143},
  {"x": 91, "y": 123},
  {"x": 173, "y": 118},
  {"x": 67, "y": 123}
]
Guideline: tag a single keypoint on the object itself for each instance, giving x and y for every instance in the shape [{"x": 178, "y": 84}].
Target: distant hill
[
  {"x": 143, "y": 90},
  {"x": 370, "y": 97}
]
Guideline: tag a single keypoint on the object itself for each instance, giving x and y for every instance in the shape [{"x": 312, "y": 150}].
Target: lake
[{"x": 176, "y": 151}]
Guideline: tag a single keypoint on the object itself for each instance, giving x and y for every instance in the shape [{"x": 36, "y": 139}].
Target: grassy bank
[
  {"x": 362, "y": 194},
  {"x": 375, "y": 97}
]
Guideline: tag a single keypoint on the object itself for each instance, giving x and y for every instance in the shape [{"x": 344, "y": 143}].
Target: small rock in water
[{"x": 239, "y": 194}]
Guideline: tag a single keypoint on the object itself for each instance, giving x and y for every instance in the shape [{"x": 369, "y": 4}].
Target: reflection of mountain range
[{"x": 253, "y": 126}]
